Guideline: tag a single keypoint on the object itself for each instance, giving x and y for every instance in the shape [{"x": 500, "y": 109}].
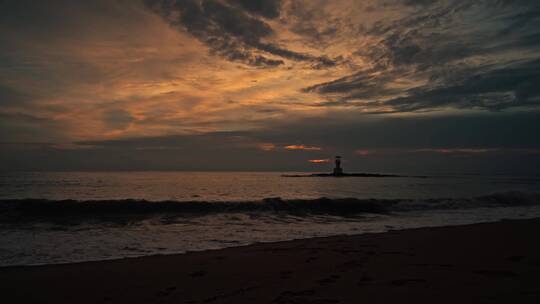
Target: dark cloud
[
  {"x": 349, "y": 131},
  {"x": 10, "y": 96},
  {"x": 514, "y": 86},
  {"x": 266, "y": 8},
  {"x": 345, "y": 132},
  {"x": 23, "y": 118},
  {"x": 471, "y": 54},
  {"x": 366, "y": 84},
  {"x": 233, "y": 29},
  {"x": 521, "y": 21},
  {"x": 117, "y": 119},
  {"x": 228, "y": 31},
  {"x": 56, "y": 19},
  {"x": 497, "y": 89},
  {"x": 425, "y": 38},
  {"x": 419, "y": 2},
  {"x": 317, "y": 26},
  {"x": 20, "y": 127},
  {"x": 207, "y": 141}
]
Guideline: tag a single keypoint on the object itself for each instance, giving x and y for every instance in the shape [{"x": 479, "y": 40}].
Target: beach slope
[{"x": 481, "y": 263}]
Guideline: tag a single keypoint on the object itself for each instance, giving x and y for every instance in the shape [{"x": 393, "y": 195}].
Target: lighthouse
[{"x": 338, "y": 170}]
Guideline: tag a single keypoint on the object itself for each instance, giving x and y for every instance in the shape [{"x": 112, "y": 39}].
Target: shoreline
[
  {"x": 279, "y": 242},
  {"x": 501, "y": 260}
]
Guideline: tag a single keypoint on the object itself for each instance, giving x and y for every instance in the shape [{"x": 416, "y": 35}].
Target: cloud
[
  {"x": 117, "y": 119},
  {"x": 265, "y": 8},
  {"x": 10, "y": 96},
  {"x": 29, "y": 127},
  {"x": 364, "y": 152},
  {"x": 400, "y": 144},
  {"x": 158, "y": 80},
  {"x": 445, "y": 54},
  {"x": 502, "y": 88},
  {"x": 346, "y": 134},
  {"x": 456, "y": 151},
  {"x": 319, "y": 161},
  {"x": 266, "y": 146},
  {"x": 233, "y": 29},
  {"x": 474, "y": 151},
  {"x": 302, "y": 147},
  {"x": 419, "y": 2}
]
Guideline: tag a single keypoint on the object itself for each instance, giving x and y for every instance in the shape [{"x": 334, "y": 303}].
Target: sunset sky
[{"x": 392, "y": 85}]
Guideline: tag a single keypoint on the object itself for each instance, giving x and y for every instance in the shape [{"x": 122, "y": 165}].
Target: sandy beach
[{"x": 481, "y": 263}]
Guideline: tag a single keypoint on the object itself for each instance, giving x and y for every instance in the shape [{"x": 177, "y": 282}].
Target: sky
[{"x": 391, "y": 85}]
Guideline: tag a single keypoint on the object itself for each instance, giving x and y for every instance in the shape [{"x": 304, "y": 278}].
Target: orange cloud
[
  {"x": 364, "y": 152},
  {"x": 266, "y": 146},
  {"x": 319, "y": 161},
  {"x": 302, "y": 147}
]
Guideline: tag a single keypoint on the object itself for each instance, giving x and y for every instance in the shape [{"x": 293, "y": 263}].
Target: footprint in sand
[
  {"x": 364, "y": 279},
  {"x": 329, "y": 280},
  {"x": 303, "y": 296},
  {"x": 285, "y": 274},
  {"x": 197, "y": 274},
  {"x": 166, "y": 292},
  {"x": 406, "y": 281},
  {"x": 497, "y": 273},
  {"x": 515, "y": 258}
]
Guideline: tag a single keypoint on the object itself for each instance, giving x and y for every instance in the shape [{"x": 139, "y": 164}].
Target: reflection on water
[{"x": 239, "y": 186}]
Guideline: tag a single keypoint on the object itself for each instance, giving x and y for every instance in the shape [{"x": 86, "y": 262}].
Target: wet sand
[{"x": 482, "y": 263}]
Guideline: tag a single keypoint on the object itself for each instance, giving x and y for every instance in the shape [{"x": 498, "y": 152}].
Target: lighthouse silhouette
[{"x": 337, "y": 169}]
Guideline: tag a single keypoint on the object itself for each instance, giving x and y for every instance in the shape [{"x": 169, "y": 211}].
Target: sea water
[{"x": 62, "y": 217}]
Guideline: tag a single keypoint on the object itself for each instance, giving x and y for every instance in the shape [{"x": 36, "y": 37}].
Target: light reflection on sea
[{"x": 242, "y": 186}]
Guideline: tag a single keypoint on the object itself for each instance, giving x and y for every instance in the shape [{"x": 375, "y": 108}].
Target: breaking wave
[{"x": 38, "y": 209}]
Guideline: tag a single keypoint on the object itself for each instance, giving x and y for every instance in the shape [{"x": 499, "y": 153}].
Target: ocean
[{"x": 65, "y": 217}]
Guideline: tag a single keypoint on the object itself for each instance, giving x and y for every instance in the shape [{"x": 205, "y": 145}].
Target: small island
[{"x": 338, "y": 172}]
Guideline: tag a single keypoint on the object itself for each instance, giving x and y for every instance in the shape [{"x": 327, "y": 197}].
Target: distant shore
[
  {"x": 481, "y": 263},
  {"x": 350, "y": 175}
]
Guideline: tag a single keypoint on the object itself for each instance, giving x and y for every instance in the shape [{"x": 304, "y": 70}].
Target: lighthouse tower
[{"x": 338, "y": 170}]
